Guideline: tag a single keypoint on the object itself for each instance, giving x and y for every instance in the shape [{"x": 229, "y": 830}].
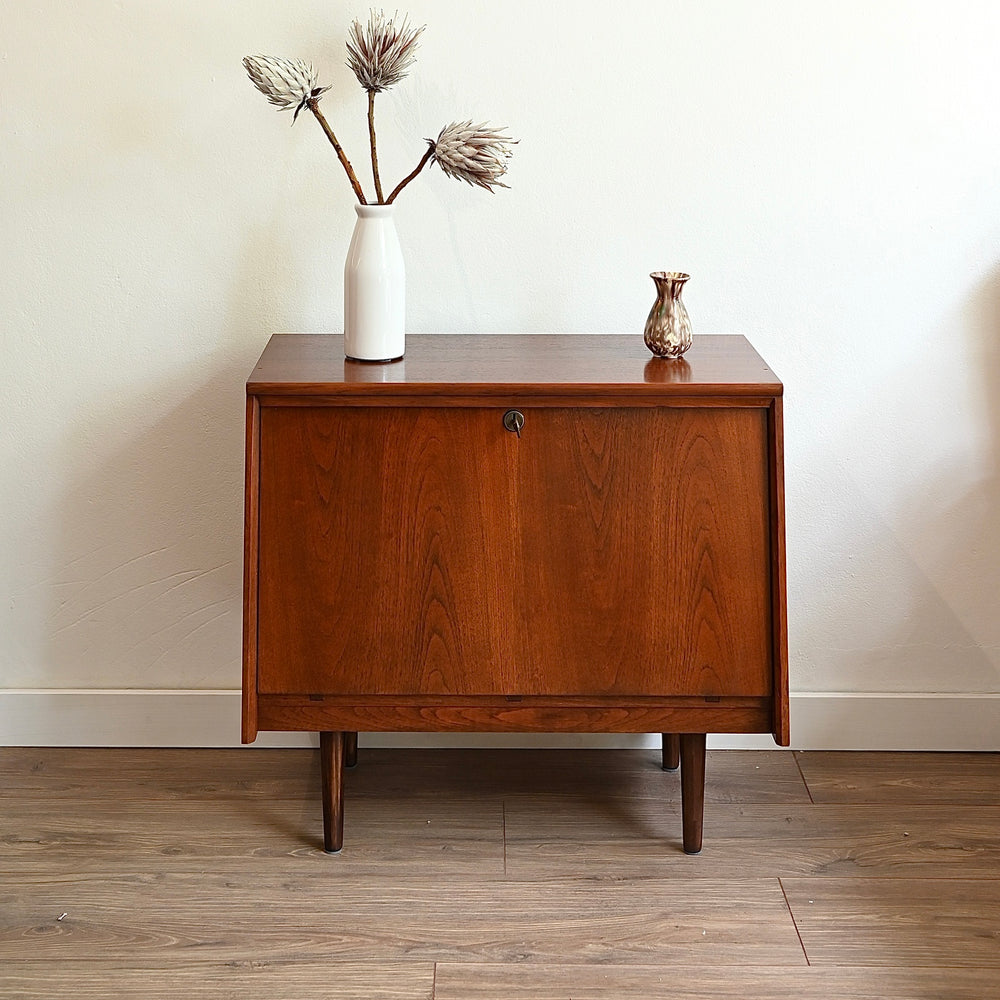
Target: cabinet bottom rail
[{"x": 284, "y": 713}]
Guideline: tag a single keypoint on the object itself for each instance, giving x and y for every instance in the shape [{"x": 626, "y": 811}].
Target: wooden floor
[{"x": 474, "y": 875}]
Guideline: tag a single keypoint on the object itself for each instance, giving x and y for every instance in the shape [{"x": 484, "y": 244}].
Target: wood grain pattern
[
  {"x": 627, "y": 543},
  {"x": 583, "y": 836},
  {"x": 589, "y": 775},
  {"x": 898, "y": 922},
  {"x": 692, "y": 790},
  {"x": 251, "y": 521},
  {"x": 183, "y": 873},
  {"x": 677, "y": 982},
  {"x": 436, "y": 365},
  {"x": 442, "y": 837},
  {"x": 250, "y": 979},
  {"x": 276, "y": 712},
  {"x": 781, "y": 724},
  {"x": 604, "y": 814},
  {"x": 170, "y": 917},
  {"x": 507, "y": 397},
  {"x": 424, "y": 557},
  {"x": 140, "y": 775},
  {"x": 924, "y": 778},
  {"x": 331, "y": 758},
  {"x": 388, "y": 577},
  {"x": 643, "y": 555}
]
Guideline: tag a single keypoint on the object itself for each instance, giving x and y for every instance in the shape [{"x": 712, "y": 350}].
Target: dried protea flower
[
  {"x": 382, "y": 51},
  {"x": 286, "y": 83},
  {"x": 477, "y": 154}
]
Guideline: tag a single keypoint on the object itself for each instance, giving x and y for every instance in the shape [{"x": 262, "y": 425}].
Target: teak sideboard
[{"x": 524, "y": 533}]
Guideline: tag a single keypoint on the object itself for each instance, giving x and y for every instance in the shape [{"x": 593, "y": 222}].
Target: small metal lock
[{"x": 513, "y": 420}]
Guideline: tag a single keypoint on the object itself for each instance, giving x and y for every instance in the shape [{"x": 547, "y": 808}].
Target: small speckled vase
[{"x": 668, "y": 328}]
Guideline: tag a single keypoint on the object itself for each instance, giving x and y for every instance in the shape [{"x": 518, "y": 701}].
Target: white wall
[{"x": 827, "y": 173}]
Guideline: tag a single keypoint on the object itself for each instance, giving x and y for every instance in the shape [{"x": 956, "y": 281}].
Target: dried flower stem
[
  {"x": 409, "y": 177},
  {"x": 371, "y": 137},
  {"x": 313, "y": 106}
]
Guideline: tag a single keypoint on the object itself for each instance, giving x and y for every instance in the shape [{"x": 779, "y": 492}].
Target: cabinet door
[
  {"x": 645, "y": 551},
  {"x": 387, "y": 538},
  {"x": 428, "y": 551}
]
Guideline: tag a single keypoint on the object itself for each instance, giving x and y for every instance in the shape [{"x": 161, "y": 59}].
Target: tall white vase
[{"x": 374, "y": 288}]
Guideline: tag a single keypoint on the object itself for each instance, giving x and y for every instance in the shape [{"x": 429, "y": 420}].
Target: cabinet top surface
[{"x": 484, "y": 364}]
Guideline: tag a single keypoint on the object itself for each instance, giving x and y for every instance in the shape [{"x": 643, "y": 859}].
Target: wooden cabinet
[{"x": 610, "y": 559}]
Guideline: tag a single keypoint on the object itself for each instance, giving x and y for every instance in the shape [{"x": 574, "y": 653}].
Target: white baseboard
[{"x": 824, "y": 721}]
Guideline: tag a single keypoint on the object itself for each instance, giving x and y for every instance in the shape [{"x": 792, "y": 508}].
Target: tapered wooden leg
[
  {"x": 331, "y": 756},
  {"x": 350, "y": 749},
  {"x": 692, "y": 789},
  {"x": 671, "y": 751}
]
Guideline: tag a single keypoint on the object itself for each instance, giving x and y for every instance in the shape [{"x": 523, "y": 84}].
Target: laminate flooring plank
[
  {"x": 155, "y": 919},
  {"x": 140, "y": 774},
  {"x": 611, "y": 838},
  {"x": 915, "y": 778},
  {"x": 384, "y": 836},
  {"x": 898, "y": 922},
  {"x": 84, "y": 773},
  {"x": 101, "y": 980},
  {"x": 679, "y": 982},
  {"x": 731, "y": 775}
]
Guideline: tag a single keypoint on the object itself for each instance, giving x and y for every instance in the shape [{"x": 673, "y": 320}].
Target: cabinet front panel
[
  {"x": 430, "y": 551},
  {"x": 386, "y": 540},
  {"x": 644, "y": 537}
]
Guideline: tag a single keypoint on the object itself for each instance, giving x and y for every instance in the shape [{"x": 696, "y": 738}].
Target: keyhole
[{"x": 513, "y": 420}]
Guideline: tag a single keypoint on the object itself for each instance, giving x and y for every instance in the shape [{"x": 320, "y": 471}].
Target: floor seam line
[
  {"x": 795, "y": 924},
  {"x": 795, "y": 756},
  {"x": 503, "y": 833}
]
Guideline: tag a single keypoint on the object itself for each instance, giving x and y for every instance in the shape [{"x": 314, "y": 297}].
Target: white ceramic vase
[{"x": 374, "y": 288}]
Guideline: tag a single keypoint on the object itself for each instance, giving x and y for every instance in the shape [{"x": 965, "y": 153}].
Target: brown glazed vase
[{"x": 668, "y": 327}]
